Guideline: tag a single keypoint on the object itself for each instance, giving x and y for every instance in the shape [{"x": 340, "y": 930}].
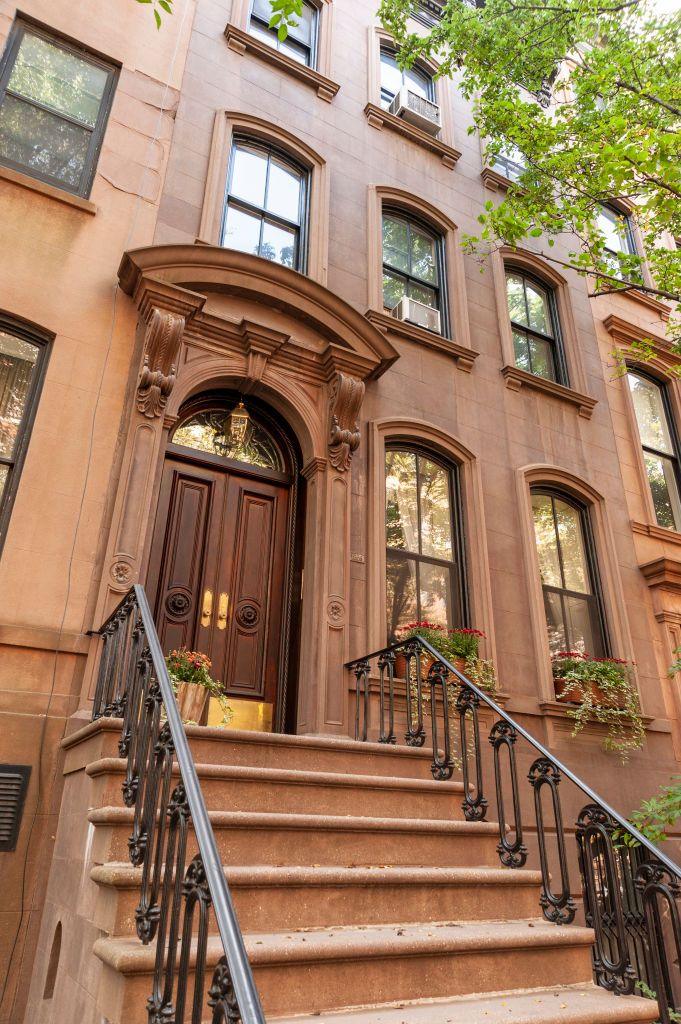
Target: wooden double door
[{"x": 218, "y": 571}]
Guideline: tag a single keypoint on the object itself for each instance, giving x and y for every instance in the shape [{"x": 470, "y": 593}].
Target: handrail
[
  {"x": 486, "y": 699},
  {"x": 134, "y": 683},
  {"x": 631, "y": 891}
]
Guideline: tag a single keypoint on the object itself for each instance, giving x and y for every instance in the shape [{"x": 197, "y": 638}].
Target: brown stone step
[
  {"x": 285, "y": 790},
  {"x": 303, "y": 897},
  {"x": 263, "y": 750},
  {"x": 310, "y": 839},
  {"x": 319, "y": 970},
  {"x": 572, "y": 1004}
]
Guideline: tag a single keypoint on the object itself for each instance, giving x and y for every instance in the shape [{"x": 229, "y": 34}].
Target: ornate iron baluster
[
  {"x": 661, "y": 894},
  {"x": 442, "y": 767},
  {"x": 362, "y": 679},
  {"x": 132, "y": 681},
  {"x": 602, "y": 888},
  {"x": 221, "y": 997},
  {"x": 512, "y": 852},
  {"x": 386, "y": 662},
  {"x": 557, "y": 907},
  {"x": 474, "y": 804},
  {"x": 415, "y": 735}
]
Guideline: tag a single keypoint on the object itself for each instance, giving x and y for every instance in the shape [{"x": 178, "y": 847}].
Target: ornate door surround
[{"x": 216, "y": 318}]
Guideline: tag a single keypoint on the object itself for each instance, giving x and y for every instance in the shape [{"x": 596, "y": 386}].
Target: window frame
[
  {"x": 440, "y": 288},
  {"x": 302, "y": 228},
  {"x": 457, "y": 564},
  {"x": 596, "y": 596},
  {"x": 275, "y": 44},
  {"x": 562, "y": 375},
  {"x": 387, "y": 50},
  {"x": 627, "y": 219},
  {"x": 19, "y": 29},
  {"x": 15, "y": 462},
  {"x": 675, "y": 459}
]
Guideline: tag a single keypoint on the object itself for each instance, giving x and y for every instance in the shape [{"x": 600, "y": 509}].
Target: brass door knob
[
  {"x": 223, "y": 605},
  {"x": 207, "y": 607}
]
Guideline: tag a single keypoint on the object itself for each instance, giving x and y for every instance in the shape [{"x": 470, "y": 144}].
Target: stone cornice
[
  {"x": 624, "y": 333},
  {"x": 244, "y": 42},
  {"x": 517, "y": 379},
  {"x": 463, "y": 356},
  {"x": 380, "y": 118},
  {"x": 663, "y": 574},
  {"x": 183, "y": 274}
]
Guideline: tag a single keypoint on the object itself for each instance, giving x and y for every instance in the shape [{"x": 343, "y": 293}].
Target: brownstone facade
[{"x": 146, "y": 312}]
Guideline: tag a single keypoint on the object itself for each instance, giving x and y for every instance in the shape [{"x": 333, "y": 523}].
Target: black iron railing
[
  {"x": 176, "y": 897},
  {"x": 631, "y": 890}
]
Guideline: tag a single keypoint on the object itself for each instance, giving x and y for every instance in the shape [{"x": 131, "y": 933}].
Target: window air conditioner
[
  {"x": 417, "y": 313},
  {"x": 420, "y": 112}
]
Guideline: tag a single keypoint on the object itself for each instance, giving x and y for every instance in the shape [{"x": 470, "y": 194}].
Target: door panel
[
  {"x": 177, "y": 560},
  {"x": 227, "y": 534}
]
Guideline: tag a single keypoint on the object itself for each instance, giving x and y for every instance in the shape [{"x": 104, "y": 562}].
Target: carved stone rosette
[
  {"x": 344, "y": 405},
  {"x": 161, "y": 348}
]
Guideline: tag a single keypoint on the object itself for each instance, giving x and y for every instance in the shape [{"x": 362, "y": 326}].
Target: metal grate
[{"x": 13, "y": 785}]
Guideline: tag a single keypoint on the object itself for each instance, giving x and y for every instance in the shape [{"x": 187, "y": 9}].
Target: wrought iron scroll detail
[
  {"x": 179, "y": 889},
  {"x": 511, "y": 849}
]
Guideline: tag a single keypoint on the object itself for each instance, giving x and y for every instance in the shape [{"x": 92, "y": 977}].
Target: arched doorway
[{"x": 223, "y": 574}]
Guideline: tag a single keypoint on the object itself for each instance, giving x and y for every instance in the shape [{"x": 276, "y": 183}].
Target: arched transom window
[
  {"x": 423, "y": 550},
  {"x": 231, "y": 435},
  {"x": 568, "y": 574}
]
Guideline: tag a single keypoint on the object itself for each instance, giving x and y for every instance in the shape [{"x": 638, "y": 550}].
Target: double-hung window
[
  {"x": 618, "y": 233},
  {"x": 266, "y": 204},
  {"x": 54, "y": 104},
  {"x": 567, "y": 567},
  {"x": 423, "y": 543},
  {"x": 412, "y": 262},
  {"x": 23, "y": 358},
  {"x": 660, "y": 446},
  {"x": 301, "y": 41},
  {"x": 393, "y": 78},
  {"x": 534, "y": 325}
]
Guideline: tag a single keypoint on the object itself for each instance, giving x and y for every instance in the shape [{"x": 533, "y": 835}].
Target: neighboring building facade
[{"x": 245, "y": 427}]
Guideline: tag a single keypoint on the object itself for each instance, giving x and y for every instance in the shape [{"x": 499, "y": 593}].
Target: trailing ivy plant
[{"x": 601, "y": 690}]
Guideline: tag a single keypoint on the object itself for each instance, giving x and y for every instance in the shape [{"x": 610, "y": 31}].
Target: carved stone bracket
[
  {"x": 161, "y": 349},
  {"x": 344, "y": 405}
]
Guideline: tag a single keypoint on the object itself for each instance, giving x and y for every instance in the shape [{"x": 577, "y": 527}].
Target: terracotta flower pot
[
  {"x": 191, "y": 700},
  {"x": 568, "y": 693}
]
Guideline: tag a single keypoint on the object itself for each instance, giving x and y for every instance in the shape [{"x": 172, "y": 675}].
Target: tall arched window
[
  {"x": 569, "y": 579},
  {"x": 412, "y": 262},
  {"x": 393, "y": 77},
  {"x": 534, "y": 325},
  {"x": 424, "y": 557},
  {"x": 660, "y": 446},
  {"x": 266, "y": 204}
]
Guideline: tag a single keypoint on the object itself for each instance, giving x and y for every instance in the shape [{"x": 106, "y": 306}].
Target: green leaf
[{"x": 157, "y": 18}]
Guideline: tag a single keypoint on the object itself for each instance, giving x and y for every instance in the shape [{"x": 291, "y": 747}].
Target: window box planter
[{"x": 600, "y": 690}]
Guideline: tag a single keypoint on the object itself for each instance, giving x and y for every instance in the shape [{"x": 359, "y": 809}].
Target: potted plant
[
  {"x": 193, "y": 685},
  {"x": 459, "y": 646},
  {"x": 600, "y": 690}
]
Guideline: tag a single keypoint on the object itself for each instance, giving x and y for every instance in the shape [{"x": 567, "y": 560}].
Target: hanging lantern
[{"x": 238, "y": 424}]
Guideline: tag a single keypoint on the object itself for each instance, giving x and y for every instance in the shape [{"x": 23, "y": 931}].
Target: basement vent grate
[{"x": 13, "y": 785}]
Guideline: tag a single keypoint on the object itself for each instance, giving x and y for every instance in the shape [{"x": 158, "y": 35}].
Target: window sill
[
  {"x": 243, "y": 42},
  {"x": 44, "y": 189},
  {"x": 559, "y": 709},
  {"x": 380, "y": 118},
  {"x": 464, "y": 357},
  {"x": 495, "y": 181},
  {"x": 517, "y": 379},
  {"x": 663, "y": 573},
  {"x": 656, "y": 532}
]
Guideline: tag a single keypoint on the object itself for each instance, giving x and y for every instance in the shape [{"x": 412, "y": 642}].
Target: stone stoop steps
[{"x": 363, "y": 894}]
